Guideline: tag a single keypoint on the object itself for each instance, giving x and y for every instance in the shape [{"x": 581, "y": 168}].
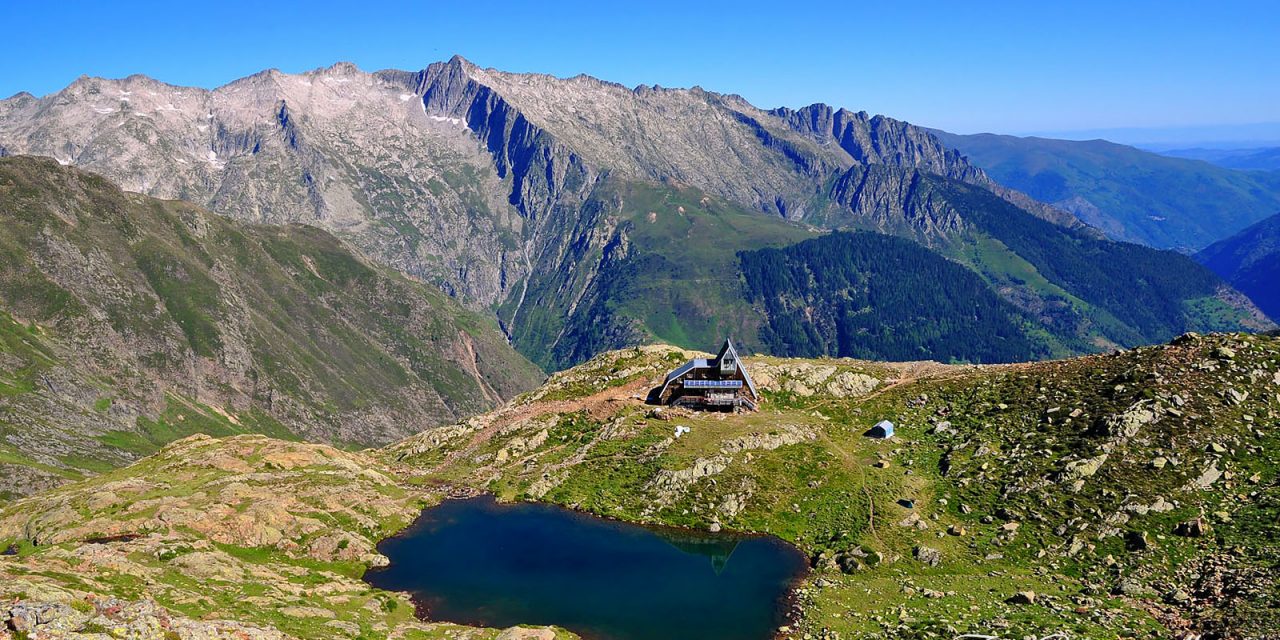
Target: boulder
[
  {"x": 1207, "y": 478},
  {"x": 1022, "y": 597},
  {"x": 914, "y": 520},
  {"x": 1129, "y": 423},
  {"x": 1137, "y": 541},
  {"x": 1193, "y": 528},
  {"x": 928, "y": 555},
  {"x": 1081, "y": 469}
]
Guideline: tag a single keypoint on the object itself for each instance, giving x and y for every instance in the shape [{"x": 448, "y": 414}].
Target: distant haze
[{"x": 1226, "y": 136}]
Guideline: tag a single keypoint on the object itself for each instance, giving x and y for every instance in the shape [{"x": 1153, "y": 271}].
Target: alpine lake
[{"x": 480, "y": 562}]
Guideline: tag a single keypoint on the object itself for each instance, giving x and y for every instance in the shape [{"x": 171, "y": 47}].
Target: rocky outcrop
[
  {"x": 140, "y": 619},
  {"x": 781, "y": 436},
  {"x": 1078, "y": 470},
  {"x": 247, "y": 537},
  {"x": 807, "y": 379},
  {"x": 1130, "y": 422},
  {"x": 670, "y": 483},
  {"x": 872, "y": 140}
]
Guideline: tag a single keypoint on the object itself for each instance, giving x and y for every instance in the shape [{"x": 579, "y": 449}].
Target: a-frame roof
[
  {"x": 703, "y": 363},
  {"x": 728, "y": 348}
]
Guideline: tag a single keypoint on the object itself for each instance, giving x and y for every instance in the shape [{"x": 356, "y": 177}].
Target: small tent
[{"x": 883, "y": 429}]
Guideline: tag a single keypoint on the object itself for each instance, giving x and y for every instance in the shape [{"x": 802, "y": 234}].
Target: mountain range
[
  {"x": 585, "y": 215},
  {"x": 249, "y": 333},
  {"x": 1130, "y": 194}
]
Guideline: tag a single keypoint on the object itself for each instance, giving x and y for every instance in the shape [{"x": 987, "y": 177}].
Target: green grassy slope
[
  {"x": 1094, "y": 291},
  {"x": 1136, "y": 494},
  {"x": 668, "y": 273},
  {"x": 866, "y": 294},
  {"x": 663, "y": 265},
  {"x": 129, "y": 322}
]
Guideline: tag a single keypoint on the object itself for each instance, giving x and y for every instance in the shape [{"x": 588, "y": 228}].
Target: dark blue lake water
[{"x": 479, "y": 562}]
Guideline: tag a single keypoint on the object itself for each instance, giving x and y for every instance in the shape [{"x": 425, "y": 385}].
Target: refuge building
[{"x": 714, "y": 384}]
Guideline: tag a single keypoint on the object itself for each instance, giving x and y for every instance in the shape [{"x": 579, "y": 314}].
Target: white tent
[{"x": 883, "y": 429}]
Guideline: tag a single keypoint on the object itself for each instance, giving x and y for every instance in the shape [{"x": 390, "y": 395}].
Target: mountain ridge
[
  {"x": 505, "y": 189},
  {"x": 1250, "y": 261},
  {"x": 1128, "y": 193}
]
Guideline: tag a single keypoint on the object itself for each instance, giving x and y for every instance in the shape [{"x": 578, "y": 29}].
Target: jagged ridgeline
[
  {"x": 127, "y": 322},
  {"x": 586, "y": 215}
]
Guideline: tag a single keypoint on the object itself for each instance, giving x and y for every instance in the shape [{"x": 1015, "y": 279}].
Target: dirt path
[
  {"x": 598, "y": 405},
  {"x": 851, "y": 464}
]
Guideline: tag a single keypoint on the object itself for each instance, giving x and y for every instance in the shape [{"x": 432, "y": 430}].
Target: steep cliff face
[
  {"x": 128, "y": 321},
  {"x": 878, "y": 140},
  {"x": 513, "y": 192}
]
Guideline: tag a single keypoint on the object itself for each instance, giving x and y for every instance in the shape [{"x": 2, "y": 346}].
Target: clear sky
[{"x": 1009, "y": 67}]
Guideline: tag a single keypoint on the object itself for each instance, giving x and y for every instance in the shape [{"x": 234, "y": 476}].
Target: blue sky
[{"x": 1009, "y": 67}]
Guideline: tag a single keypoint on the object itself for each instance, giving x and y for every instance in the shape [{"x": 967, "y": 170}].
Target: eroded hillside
[{"x": 128, "y": 322}]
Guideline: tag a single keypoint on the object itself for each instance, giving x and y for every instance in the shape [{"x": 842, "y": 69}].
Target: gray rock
[
  {"x": 1022, "y": 597},
  {"x": 1193, "y": 528},
  {"x": 928, "y": 555}
]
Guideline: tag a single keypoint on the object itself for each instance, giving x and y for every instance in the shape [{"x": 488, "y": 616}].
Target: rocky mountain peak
[
  {"x": 19, "y": 97},
  {"x": 461, "y": 62},
  {"x": 340, "y": 68}
]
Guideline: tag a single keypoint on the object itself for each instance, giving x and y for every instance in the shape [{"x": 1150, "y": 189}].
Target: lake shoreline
[{"x": 788, "y": 608}]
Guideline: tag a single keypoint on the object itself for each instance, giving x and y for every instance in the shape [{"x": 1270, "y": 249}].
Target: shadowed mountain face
[
  {"x": 527, "y": 195},
  {"x": 127, "y": 322},
  {"x": 1130, "y": 194},
  {"x": 1250, "y": 261}
]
